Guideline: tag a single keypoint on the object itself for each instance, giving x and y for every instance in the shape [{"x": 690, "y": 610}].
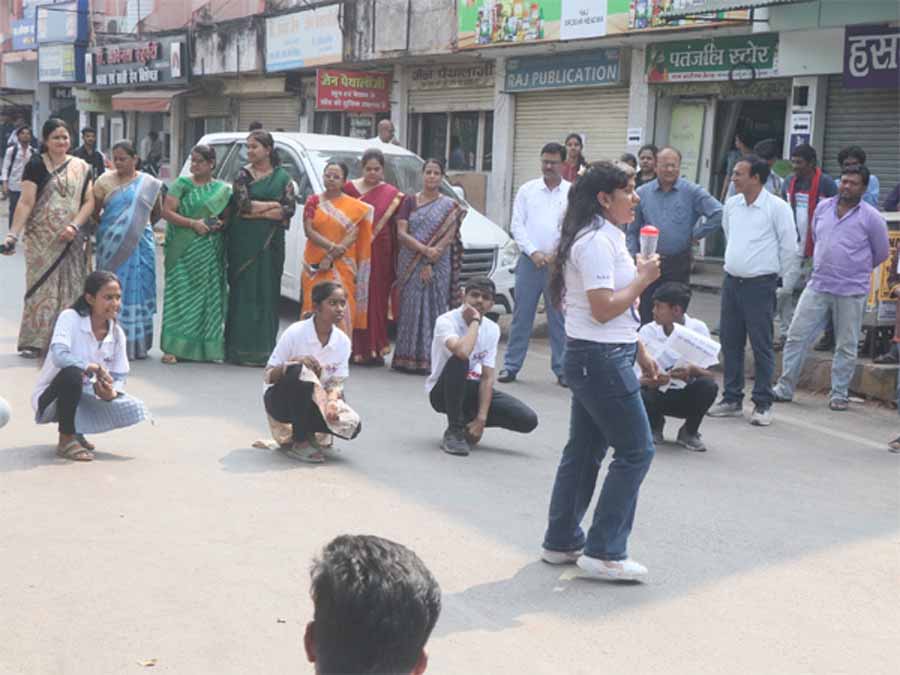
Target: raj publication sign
[
  {"x": 872, "y": 57},
  {"x": 152, "y": 62},
  {"x": 596, "y": 68},
  {"x": 304, "y": 39},
  {"x": 713, "y": 59},
  {"x": 353, "y": 91}
]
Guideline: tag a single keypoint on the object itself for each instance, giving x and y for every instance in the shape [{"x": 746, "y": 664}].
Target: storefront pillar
[
  {"x": 499, "y": 200},
  {"x": 176, "y": 135},
  {"x": 399, "y": 98},
  {"x": 808, "y": 103},
  {"x": 641, "y": 105},
  {"x": 42, "y": 106}
]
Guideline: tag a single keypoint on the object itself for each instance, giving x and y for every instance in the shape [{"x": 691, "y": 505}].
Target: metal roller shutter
[
  {"x": 201, "y": 106},
  {"x": 869, "y": 118},
  {"x": 451, "y": 100},
  {"x": 600, "y": 114},
  {"x": 275, "y": 112}
]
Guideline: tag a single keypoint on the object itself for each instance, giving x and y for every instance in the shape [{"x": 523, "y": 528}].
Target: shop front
[
  {"x": 146, "y": 80},
  {"x": 94, "y": 110},
  {"x": 708, "y": 91},
  {"x": 581, "y": 92}
]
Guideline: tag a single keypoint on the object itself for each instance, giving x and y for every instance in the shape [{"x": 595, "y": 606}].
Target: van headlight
[{"x": 509, "y": 254}]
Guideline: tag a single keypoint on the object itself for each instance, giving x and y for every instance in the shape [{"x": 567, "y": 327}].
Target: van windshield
[{"x": 402, "y": 171}]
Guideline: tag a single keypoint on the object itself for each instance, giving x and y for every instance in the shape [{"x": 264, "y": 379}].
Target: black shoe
[
  {"x": 826, "y": 344},
  {"x": 561, "y": 381},
  {"x": 778, "y": 344},
  {"x": 455, "y": 443},
  {"x": 889, "y": 358},
  {"x": 505, "y": 376}
]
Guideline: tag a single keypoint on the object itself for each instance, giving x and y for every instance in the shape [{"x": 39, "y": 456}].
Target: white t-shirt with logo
[
  {"x": 654, "y": 337},
  {"x": 599, "y": 259},
  {"x": 452, "y": 325},
  {"x": 300, "y": 340}
]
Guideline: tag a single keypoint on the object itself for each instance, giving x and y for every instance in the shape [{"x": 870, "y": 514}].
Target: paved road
[{"x": 775, "y": 552}]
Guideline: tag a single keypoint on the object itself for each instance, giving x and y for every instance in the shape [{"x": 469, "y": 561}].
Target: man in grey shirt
[{"x": 674, "y": 205}]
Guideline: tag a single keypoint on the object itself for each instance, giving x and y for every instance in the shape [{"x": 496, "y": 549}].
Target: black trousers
[
  {"x": 457, "y": 397},
  {"x": 66, "y": 391},
  {"x": 290, "y": 402},
  {"x": 689, "y": 404},
  {"x": 671, "y": 268}
]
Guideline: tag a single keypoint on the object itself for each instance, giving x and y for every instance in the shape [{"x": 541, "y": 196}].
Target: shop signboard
[
  {"x": 744, "y": 58},
  {"x": 23, "y": 35},
  {"x": 872, "y": 57},
  {"x": 149, "y": 62},
  {"x": 304, "y": 39},
  {"x": 60, "y": 63},
  {"x": 453, "y": 76},
  {"x": 491, "y": 23},
  {"x": 353, "y": 91},
  {"x": 62, "y": 21},
  {"x": 597, "y": 68}
]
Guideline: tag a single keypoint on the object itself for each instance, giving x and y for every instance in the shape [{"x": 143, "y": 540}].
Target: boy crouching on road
[
  {"x": 461, "y": 383},
  {"x": 691, "y": 390}
]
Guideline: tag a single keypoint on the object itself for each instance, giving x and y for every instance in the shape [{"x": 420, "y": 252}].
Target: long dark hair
[
  {"x": 582, "y": 211},
  {"x": 92, "y": 285},
  {"x": 264, "y": 138}
]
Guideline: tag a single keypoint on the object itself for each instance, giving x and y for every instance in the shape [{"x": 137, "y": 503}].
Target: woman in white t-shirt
[
  {"x": 81, "y": 385},
  {"x": 305, "y": 377},
  {"x": 597, "y": 281}
]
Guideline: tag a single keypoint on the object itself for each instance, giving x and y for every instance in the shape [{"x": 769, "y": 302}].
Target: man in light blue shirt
[{"x": 674, "y": 205}]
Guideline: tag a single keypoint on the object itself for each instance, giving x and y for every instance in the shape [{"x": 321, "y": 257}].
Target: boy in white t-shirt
[
  {"x": 691, "y": 390},
  {"x": 461, "y": 383}
]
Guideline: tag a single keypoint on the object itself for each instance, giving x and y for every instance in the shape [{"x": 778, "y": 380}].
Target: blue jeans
[
  {"x": 748, "y": 308},
  {"x": 531, "y": 282},
  {"x": 606, "y": 410},
  {"x": 810, "y": 320}
]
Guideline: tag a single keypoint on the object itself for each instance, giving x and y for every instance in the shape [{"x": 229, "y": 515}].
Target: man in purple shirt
[{"x": 851, "y": 240}]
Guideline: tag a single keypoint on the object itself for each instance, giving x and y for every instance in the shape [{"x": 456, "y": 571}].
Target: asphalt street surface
[{"x": 183, "y": 548}]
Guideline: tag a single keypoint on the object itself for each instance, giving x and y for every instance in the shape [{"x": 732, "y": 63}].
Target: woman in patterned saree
[
  {"x": 338, "y": 246},
  {"x": 428, "y": 268},
  {"x": 55, "y": 204},
  {"x": 126, "y": 204},
  {"x": 371, "y": 344},
  {"x": 264, "y": 199},
  {"x": 193, "y": 326}
]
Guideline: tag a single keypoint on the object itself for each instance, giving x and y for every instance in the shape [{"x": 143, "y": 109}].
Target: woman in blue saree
[{"x": 127, "y": 203}]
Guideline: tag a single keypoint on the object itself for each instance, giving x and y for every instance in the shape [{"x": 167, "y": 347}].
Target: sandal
[
  {"x": 169, "y": 359},
  {"x": 73, "y": 451},
  {"x": 85, "y": 443},
  {"x": 30, "y": 353},
  {"x": 304, "y": 453}
]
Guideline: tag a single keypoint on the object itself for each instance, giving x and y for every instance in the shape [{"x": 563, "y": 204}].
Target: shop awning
[
  {"x": 694, "y": 8},
  {"x": 146, "y": 100},
  {"x": 25, "y": 56}
]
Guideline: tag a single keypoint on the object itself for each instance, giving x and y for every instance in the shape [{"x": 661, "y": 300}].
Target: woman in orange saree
[
  {"x": 338, "y": 246},
  {"x": 371, "y": 344}
]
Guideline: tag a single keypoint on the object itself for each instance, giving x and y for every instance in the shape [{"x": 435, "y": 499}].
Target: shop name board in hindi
[
  {"x": 439, "y": 77},
  {"x": 597, "y": 68},
  {"x": 151, "y": 62},
  {"x": 353, "y": 91},
  {"x": 714, "y": 59},
  {"x": 872, "y": 57}
]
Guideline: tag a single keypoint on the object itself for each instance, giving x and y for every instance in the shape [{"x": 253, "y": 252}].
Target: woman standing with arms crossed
[
  {"x": 575, "y": 162},
  {"x": 601, "y": 286},
  {"x": 338, "y": 246},
  {"x": 126, "y": 204},
  {"x": 371, "y": 344},
  {"x": 265, "y": 202},
  {"x": 55, "y": 204},
  {"x": 428, "y": 268},
  {"x": 193, "y": 325}
]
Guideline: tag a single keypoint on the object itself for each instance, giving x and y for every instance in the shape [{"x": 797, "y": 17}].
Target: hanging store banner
[
  {"x": 23, "y": 35},
  {"x": 353, "y": 91},
  {"x": 151, "y": 62},
  {"x": 304, "y": 39},
  {"x": 597, "y": 68},
  {"x": 63, "y": 21},
  {"x": 872, "y": 57},
  {"x": 453, "y": 76},
  {"x": 492, "y": 23},
  {"x": 741, "y": 58},
  {"x": 60, "y": 63}
]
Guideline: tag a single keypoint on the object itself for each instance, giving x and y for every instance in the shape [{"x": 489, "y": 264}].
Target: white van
[{"x": 488, "y": 250}]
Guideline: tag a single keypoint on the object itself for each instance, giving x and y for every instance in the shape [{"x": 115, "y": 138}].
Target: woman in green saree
[
  {"x": 193, "y": 327},
  {"x": 265, "y": 202}
]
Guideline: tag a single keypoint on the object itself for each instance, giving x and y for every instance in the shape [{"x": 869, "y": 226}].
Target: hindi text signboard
[
  {"x": 872, "y": 57},
  {"x": 151, "y": 62},
  {"x": 304, "y": 39},
  {"x": 742, "y": 57},
  {"x": 353, "y": 91}
]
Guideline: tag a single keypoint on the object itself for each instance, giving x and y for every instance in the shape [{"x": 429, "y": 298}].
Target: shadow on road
[
  {"x": 254, "y": 460},
  {"x": 31, "y": 457}
]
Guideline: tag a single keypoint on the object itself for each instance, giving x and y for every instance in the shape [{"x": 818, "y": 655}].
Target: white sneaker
[
  {"x": 761, "y": 417},
  {"x": 559, "y": 557},
  {"x": 614, "y": 570}
]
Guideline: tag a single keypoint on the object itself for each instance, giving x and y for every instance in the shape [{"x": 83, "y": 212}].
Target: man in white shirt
[
  {"x": 761, "y": 246},
  {"x": 385, "y": 133},
  {"x": 537, "y": 213},
  {"x": 461, "y": 383},
  {"x": 685, "y": 392},
  {"x": 14, "y": 161}
]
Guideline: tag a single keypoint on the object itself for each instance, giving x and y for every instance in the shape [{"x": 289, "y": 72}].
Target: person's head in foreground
[
  {"x": 375, "y": 607},
  {"x": 480, "y": 294},
  {"x": 670, "y": 303}
]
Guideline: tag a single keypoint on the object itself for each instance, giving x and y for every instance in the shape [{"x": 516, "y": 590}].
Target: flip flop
[
  {"x": 169, "y": 360},
  {"x": 73, "y": 451},
  {"x": 304, "y": 453}
]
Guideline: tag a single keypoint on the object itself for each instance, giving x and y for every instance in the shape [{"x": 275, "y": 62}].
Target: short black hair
[
  {"x": 375, "y": 603},
  {"x": 322, "y": 291},
  {"x": 370, "y": 154},
  {"x": 758, "y": 167},
  {"x": 345, "y": 170},
  {"x": 88, "y": 130},
  {"x": 255, "y": 125},
  {"x": 806, "y": 152},
  {"x": 853, "y": 151},
  {"x": 628, "y": 158},
  {"x": 860, "y": 170},
  {"x": 22, "y": 128},
  {"x": 767, "y": 149},
  {"x": 673, "y": 293},
  {"x": 554, "y": 148},
  {"x": 481, "y": 284},
  {"x": 648, "y": 146}
]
